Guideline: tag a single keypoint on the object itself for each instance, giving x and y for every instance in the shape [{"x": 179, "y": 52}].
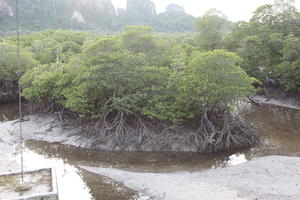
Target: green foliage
[
  {"x": 211, "y": 28},
  {"x": 114, "y": 74},
  {"x": 169, "y": 77},
  {"x": 10, "y": 65},
  {"x": 255, "y": 56},
  {"x": 289, "y": 74},
  {"x": 148, "y": 76},
  {"x": 51, "y": 46},
  {"x": 40, "y": 83},
  {"x": 213, "y": 79},
  {"x": 138, "y": 39},
  {"x": 268, "y": 43},
  {"x": 112, "y": 78},
  {"x": 281, "y": 16},
  {"x": 288, "y": 70}
]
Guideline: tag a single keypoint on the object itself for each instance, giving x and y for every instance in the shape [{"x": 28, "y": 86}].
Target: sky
[{"x": 235, "y": 10}]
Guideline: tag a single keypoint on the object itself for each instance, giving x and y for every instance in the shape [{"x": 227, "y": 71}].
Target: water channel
[{"x": 278, "y": 128}]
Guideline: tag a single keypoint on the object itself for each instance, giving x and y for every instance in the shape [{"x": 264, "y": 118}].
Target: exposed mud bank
[
  {"x": 267, "y": 178},
  {"x": 275, "y": 95},
  {"x": 50, "y": 129},
  {"x": 292, "y": 103}
]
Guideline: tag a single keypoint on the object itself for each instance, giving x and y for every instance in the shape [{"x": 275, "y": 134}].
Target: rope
[{"x": 19, "y": 87}]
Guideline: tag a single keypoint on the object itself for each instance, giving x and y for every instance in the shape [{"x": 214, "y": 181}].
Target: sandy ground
[
  {"x": 39, "y": 128},
  {"x": 267, "y": 178}
]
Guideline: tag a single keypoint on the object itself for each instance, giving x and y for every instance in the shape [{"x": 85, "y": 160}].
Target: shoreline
[
  {"x": 261, "y": 179},
  {"x": 285, "y": 103},
  {"x": 49, "y": 128}
]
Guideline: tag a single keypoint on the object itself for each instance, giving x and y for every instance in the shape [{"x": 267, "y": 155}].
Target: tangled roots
[{"x": 216, "y": 132}]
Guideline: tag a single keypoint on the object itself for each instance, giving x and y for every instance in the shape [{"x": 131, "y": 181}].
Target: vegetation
[
  {"x": 11, "y": 67},
  {"x": 268, "y": 44},
  {"x": 136, "y": 84},
  {"x": 211, "y": 29},
  {"x": 140, "y": 86}
]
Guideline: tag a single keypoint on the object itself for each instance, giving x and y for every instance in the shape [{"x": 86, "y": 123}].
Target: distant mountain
[
  {"x": 99, "y": 15},
  {"x": 175, "y": 20},
  {"x": 141, "y": 7},
  {"x": 143, "y": 12},
  {"x": 175, "y": 8},
  {"x": 67, "y": 14},
  {"x": 5, "y": 9}
]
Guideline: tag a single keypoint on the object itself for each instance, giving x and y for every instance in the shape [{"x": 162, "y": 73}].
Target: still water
[{"x": 278, "y": 128}]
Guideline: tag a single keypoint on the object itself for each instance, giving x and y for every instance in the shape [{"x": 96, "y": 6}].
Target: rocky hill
[
  {"x": 143, "y": 12},
  {"x": 97, "y": 15},
  {"x": 175, "y": 8},
  {"x": 67, "y": 14},
  {"x": 5, "y": 8},
  {"x": 141, "y": 7}
]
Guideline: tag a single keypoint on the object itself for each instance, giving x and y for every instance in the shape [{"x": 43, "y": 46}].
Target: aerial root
[
  {"x": 8, "y": 91},
  {"x": 215, "y": 133},
  {"x": 212, "y": 132}
]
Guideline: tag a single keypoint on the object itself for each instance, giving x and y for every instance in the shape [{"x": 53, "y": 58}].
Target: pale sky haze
[{"x": 235, "y": 10}]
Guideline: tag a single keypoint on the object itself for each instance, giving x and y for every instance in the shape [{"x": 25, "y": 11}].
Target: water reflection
[
  {"x": 136, "y": 161},
  {"x": 279, "y": 129},
  {"x": 237, "y": 159},
  {"x": 74, "y": 183}
]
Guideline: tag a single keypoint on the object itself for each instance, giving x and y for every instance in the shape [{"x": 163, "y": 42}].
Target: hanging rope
[{"x": 19, "y": 86}]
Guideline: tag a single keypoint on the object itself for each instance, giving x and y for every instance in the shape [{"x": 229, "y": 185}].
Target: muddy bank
[
  {"x": 49, "y": 128},
  {"x": 279, "y": 126},
  {"x": 267, "y": 178},
  {"x": 273, "y": 101},
  {"x": 275, "y": 95}
]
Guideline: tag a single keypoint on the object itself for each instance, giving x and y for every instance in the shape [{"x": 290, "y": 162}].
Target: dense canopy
[{"x": 141, "y": 82}]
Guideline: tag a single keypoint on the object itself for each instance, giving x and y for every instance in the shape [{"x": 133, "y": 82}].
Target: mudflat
[{"x": 266, "y": 178}]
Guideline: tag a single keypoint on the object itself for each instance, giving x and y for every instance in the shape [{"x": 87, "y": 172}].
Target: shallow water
[
  {"x": 279, "y": 129},
  {"x": 74, "y": 183}
]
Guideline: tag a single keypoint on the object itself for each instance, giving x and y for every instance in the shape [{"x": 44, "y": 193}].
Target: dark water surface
[{"x": 278, "y": 128}]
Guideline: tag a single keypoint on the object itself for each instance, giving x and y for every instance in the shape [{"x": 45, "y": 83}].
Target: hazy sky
[{"x": 234, "y": 9}]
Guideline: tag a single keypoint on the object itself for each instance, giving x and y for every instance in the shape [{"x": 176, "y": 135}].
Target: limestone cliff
[
  {"x": 96, "y": 15},
  {"x": 5, "y": 8},
  {"x": 141, "y": 7},
  {"x": 38, "y": 15},
  {"x": 175, "y": 8}
]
